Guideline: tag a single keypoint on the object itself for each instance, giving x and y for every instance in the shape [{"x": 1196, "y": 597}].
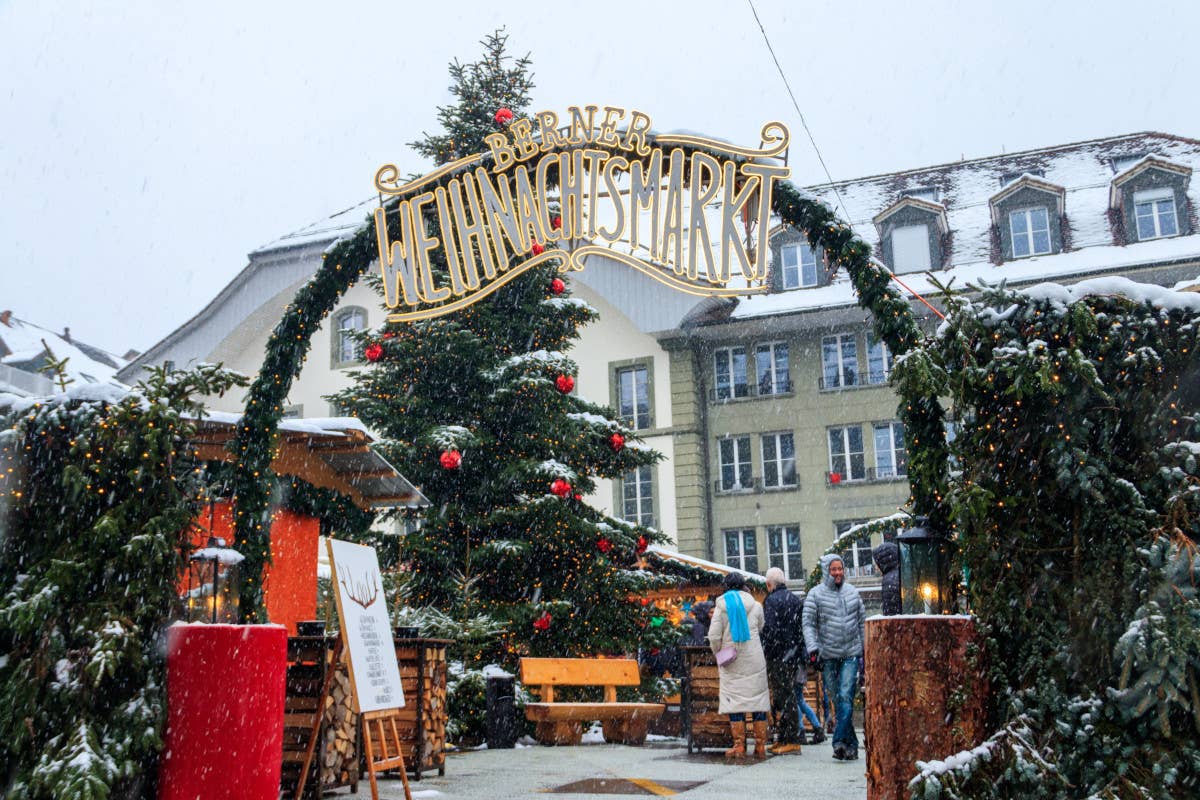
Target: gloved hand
[{"x": 814, "y": 658}]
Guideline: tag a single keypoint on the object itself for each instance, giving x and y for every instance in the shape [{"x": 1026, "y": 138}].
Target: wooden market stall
[{"x": 332, "y": 453}]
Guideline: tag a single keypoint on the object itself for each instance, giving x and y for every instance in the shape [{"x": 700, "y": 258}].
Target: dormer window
[
  {"x": 1011, "y": 177},
  {"x": 1027, "y": 218},
  {"x": 1154, "y": 211},
  {"x": 798, "y": 265},
  {"x": 910, "y": 248},
  {"x": 1122, "y": 163},
  {"x": 1149, "y": 200},
  {"x": 929, "y": 193},
  {"x": 1030, "y": 228},
  {"x": 913, "y": 235}
]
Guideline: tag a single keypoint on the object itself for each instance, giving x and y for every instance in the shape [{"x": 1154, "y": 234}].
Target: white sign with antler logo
[{"x": 366, "y": 630}]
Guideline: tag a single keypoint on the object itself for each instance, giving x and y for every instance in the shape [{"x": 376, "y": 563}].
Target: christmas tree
[{"x": 478, "y": 409}]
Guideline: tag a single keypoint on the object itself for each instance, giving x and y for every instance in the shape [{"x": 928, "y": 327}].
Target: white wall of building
[{"x": 614, "y": 337}]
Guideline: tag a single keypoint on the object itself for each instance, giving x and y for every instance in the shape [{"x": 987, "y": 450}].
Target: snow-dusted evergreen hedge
[
  {"x": 1076, "y": 517},
  {"x": 97, "y": 506}
]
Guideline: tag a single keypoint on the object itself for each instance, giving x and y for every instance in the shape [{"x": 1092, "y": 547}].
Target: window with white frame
[
  {"x": 779, "y": 460},
  {"x": 736, "y": 471},
  {"x": 846, "y": 458},
  {"x": 633, "y": 396},
  {"x": 857, "y": 556},
  {"x": 1154, "y": 211},
  {"x": 891, "y": 458},
  {"x": 741, "y": 549},
  {"x": 839, "y": 361},
  {"x": 910, "y": 248},
  {"x": 879, "y": 360},
  {"x": 637, "y": 490},
  {"x": 771, "y": 368},
  {"x": 730, "y": 373},
  {"x": 783, "y": 550},
  {"x": 1030, "y": 229},
  {"x": 799, "y": 265},
  {"x": 345, "y": 322}
]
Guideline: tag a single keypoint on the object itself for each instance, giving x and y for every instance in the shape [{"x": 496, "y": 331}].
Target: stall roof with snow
[{"x": 330, "y": 452}]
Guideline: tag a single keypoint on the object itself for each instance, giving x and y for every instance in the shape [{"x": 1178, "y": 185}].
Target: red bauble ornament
[
  {"x": 560, "y": 487},
  {"x": 645, "y": 601},
  {"x": 616, "y": 442},
  {"x": 835, "y": 478},
  {"x": 565, "y": 383},
  {"x": 542, "y": 623},
  {"x": 556, "y": 223},
  {"x": 557, "y": 286},
  {"x": 604, "y": 545},
  {"x": 578, "y": 498},
  {"x": 503, "y": 116},
  {"x": 373, "y": 351},
  {"x": 642, "y": 544},
  {"x": 450, "y": 459},
  {"x": 388, "y": 335},
  {"x": 537, "y": 248}
]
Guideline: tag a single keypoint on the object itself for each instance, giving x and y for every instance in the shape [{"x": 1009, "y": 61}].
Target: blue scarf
[{"x": 739, "y": 624}]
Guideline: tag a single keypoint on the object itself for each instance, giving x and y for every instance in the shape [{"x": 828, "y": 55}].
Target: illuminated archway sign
[
  {"x": 503, "y": 207},
  {"x": 697, "y": 207}
]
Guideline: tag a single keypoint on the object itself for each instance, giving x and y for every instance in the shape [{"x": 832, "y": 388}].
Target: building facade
[{"x": 797, "y": 437}]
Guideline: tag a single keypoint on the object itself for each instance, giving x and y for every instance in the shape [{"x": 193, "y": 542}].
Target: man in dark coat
[
  {"x": 887, "y": 560},
  {"x": 701, "y": 617},
  {"x": 783, "y": 645}
]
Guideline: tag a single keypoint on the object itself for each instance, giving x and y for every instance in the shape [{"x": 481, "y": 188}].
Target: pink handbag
[{"x": 726, "y": 655}]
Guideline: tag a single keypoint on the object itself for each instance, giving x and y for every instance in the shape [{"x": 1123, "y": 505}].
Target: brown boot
[
  {"x": 760, "y": 739},
  {"x": 739, "y": 740}
]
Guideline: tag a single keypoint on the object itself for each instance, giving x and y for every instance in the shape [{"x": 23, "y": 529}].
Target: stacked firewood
[
  {"x": 338, "y": 752},
  {"x": 422, "y": 721}
]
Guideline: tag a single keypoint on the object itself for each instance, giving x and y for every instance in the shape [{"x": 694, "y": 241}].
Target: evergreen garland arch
[{"x": 350, "y": 258}]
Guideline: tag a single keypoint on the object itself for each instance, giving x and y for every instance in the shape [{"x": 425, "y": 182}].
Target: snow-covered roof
[
  {"x": 1038, "y": 268},
  {"x": 1084, "y": 172},
  {"x": 695, "y": 561},
  {"x": 331, "y": 229},
  {"x": 328, "y": 426},
  {"x": 23, "y": 346}
]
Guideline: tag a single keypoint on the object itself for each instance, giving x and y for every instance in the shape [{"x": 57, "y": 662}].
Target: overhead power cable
[
  {"x": 799, "y": 113},
  {"x": 817, "y": 150}
]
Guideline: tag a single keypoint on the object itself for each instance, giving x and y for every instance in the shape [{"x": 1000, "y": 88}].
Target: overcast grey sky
[{"x": 146, "y": 151}]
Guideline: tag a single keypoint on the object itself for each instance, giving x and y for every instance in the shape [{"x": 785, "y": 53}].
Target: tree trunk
[{"x": 926, "y": 696}]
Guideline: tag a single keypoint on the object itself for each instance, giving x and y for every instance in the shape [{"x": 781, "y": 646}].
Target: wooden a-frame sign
[{"x": 366, "y": 638}]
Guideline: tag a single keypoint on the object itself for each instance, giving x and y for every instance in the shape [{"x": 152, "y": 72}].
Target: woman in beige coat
[{"x": 737, "y": 621}]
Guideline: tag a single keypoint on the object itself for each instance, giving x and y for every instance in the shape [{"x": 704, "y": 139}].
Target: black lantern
[
  {"x": 924, "y": 570},
  {"x": 213, "y": 583}
]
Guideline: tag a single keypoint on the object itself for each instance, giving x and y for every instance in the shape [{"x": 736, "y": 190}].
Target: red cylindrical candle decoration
[{"x": 225, "y": 691}]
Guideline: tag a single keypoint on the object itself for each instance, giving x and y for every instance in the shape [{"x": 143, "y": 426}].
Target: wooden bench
[{"x": 562, "y": 723}]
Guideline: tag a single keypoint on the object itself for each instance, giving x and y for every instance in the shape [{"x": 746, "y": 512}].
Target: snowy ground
[{"x": 528, "y": 772}]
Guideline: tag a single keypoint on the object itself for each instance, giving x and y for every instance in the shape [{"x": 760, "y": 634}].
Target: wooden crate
[
  {"x": 422, "y": 721},
  {"x": 335, "y": 761},
  {"x": 703, "y": 727}
]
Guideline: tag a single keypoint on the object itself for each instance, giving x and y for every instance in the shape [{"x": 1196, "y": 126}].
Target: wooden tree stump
[{"x": 926, "y": 696}]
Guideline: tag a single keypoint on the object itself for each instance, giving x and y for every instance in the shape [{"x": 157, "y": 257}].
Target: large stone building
[{"x": 774, "y": 412}]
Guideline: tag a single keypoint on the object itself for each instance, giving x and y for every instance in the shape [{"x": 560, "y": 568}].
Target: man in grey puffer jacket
[{"x": 833, "y": 631}]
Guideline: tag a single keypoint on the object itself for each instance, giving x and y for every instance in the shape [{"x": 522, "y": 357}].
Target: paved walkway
[{"x": 659, "y": 768}]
